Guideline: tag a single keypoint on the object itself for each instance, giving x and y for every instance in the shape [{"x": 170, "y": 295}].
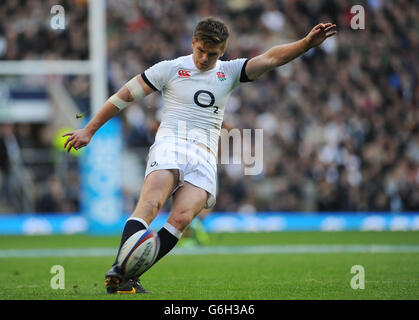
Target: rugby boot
[
  {"x": 112, "y": 280},
  {"x": 131, "y": 286}
]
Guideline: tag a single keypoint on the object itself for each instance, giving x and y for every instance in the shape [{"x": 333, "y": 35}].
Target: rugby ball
[{"x": 138, "y": 253}]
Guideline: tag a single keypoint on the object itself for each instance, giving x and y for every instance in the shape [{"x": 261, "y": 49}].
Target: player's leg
[
  {"x": 158, "y": 185},
  {"x": 188, "y": 201}
]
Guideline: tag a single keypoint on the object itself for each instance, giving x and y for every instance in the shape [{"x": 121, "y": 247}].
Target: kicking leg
[{"x": 158, "y": 186}]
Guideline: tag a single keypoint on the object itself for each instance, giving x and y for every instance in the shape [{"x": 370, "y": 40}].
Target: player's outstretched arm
[
  {"x": 282, "y": 54},
  {"x": 133, "y": 90}
]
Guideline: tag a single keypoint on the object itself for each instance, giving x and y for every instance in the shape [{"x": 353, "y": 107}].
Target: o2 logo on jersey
[
  {"x": 184, "y": 73},
  {"x": 204, "y": 96}
]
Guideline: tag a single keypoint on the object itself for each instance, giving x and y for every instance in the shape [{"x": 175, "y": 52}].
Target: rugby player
[{"x": 182, "y": 161}]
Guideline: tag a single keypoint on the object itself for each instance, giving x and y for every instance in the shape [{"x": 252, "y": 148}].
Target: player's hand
[
  {"x": 77, "y": 139},
  {"x": 320, "y": 33}
]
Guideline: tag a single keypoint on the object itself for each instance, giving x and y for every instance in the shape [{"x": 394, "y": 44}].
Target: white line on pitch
[{"x": 268, "y": 249}]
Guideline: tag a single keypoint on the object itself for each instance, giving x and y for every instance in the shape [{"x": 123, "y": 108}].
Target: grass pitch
[{"x": 26, "y": 261}]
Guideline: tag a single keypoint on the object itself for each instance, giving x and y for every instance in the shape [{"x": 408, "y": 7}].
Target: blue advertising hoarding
[
  {"x": 101, "y": 201},
  {"x": 216, "y": 222}
]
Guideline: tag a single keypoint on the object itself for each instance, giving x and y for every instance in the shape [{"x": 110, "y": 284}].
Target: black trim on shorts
[
  {"x": 148, "y": 82},
  {"x": 243, "y": 75}
]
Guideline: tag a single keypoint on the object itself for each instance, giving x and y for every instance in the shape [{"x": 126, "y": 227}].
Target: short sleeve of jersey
[
  {"x": 237, "y": 68},
  {"x": 157, "y": 75}
]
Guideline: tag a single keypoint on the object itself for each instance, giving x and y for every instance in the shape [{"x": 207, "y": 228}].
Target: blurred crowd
[
  {"x": 26, "y": 33},
  {"x": 341, "y": 123}
]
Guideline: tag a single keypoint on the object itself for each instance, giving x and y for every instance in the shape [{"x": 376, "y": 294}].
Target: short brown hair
[{"x": 211, "y": 31}]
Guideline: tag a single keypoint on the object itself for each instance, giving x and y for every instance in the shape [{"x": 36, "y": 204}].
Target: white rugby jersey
[{"x": 194, "y": 100}]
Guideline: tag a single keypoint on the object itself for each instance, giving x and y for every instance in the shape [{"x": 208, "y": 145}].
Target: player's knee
[{"x": 181, "y": 219}]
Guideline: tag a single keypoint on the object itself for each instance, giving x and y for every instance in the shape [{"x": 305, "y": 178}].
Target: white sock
[{"x": 173, "y": 230}]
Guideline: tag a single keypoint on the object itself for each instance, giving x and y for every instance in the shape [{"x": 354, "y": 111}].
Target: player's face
[{"x": 205, "y": 55}]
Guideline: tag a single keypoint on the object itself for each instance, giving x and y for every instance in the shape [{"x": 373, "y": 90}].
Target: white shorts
[{"x": 195, "y": 164}]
